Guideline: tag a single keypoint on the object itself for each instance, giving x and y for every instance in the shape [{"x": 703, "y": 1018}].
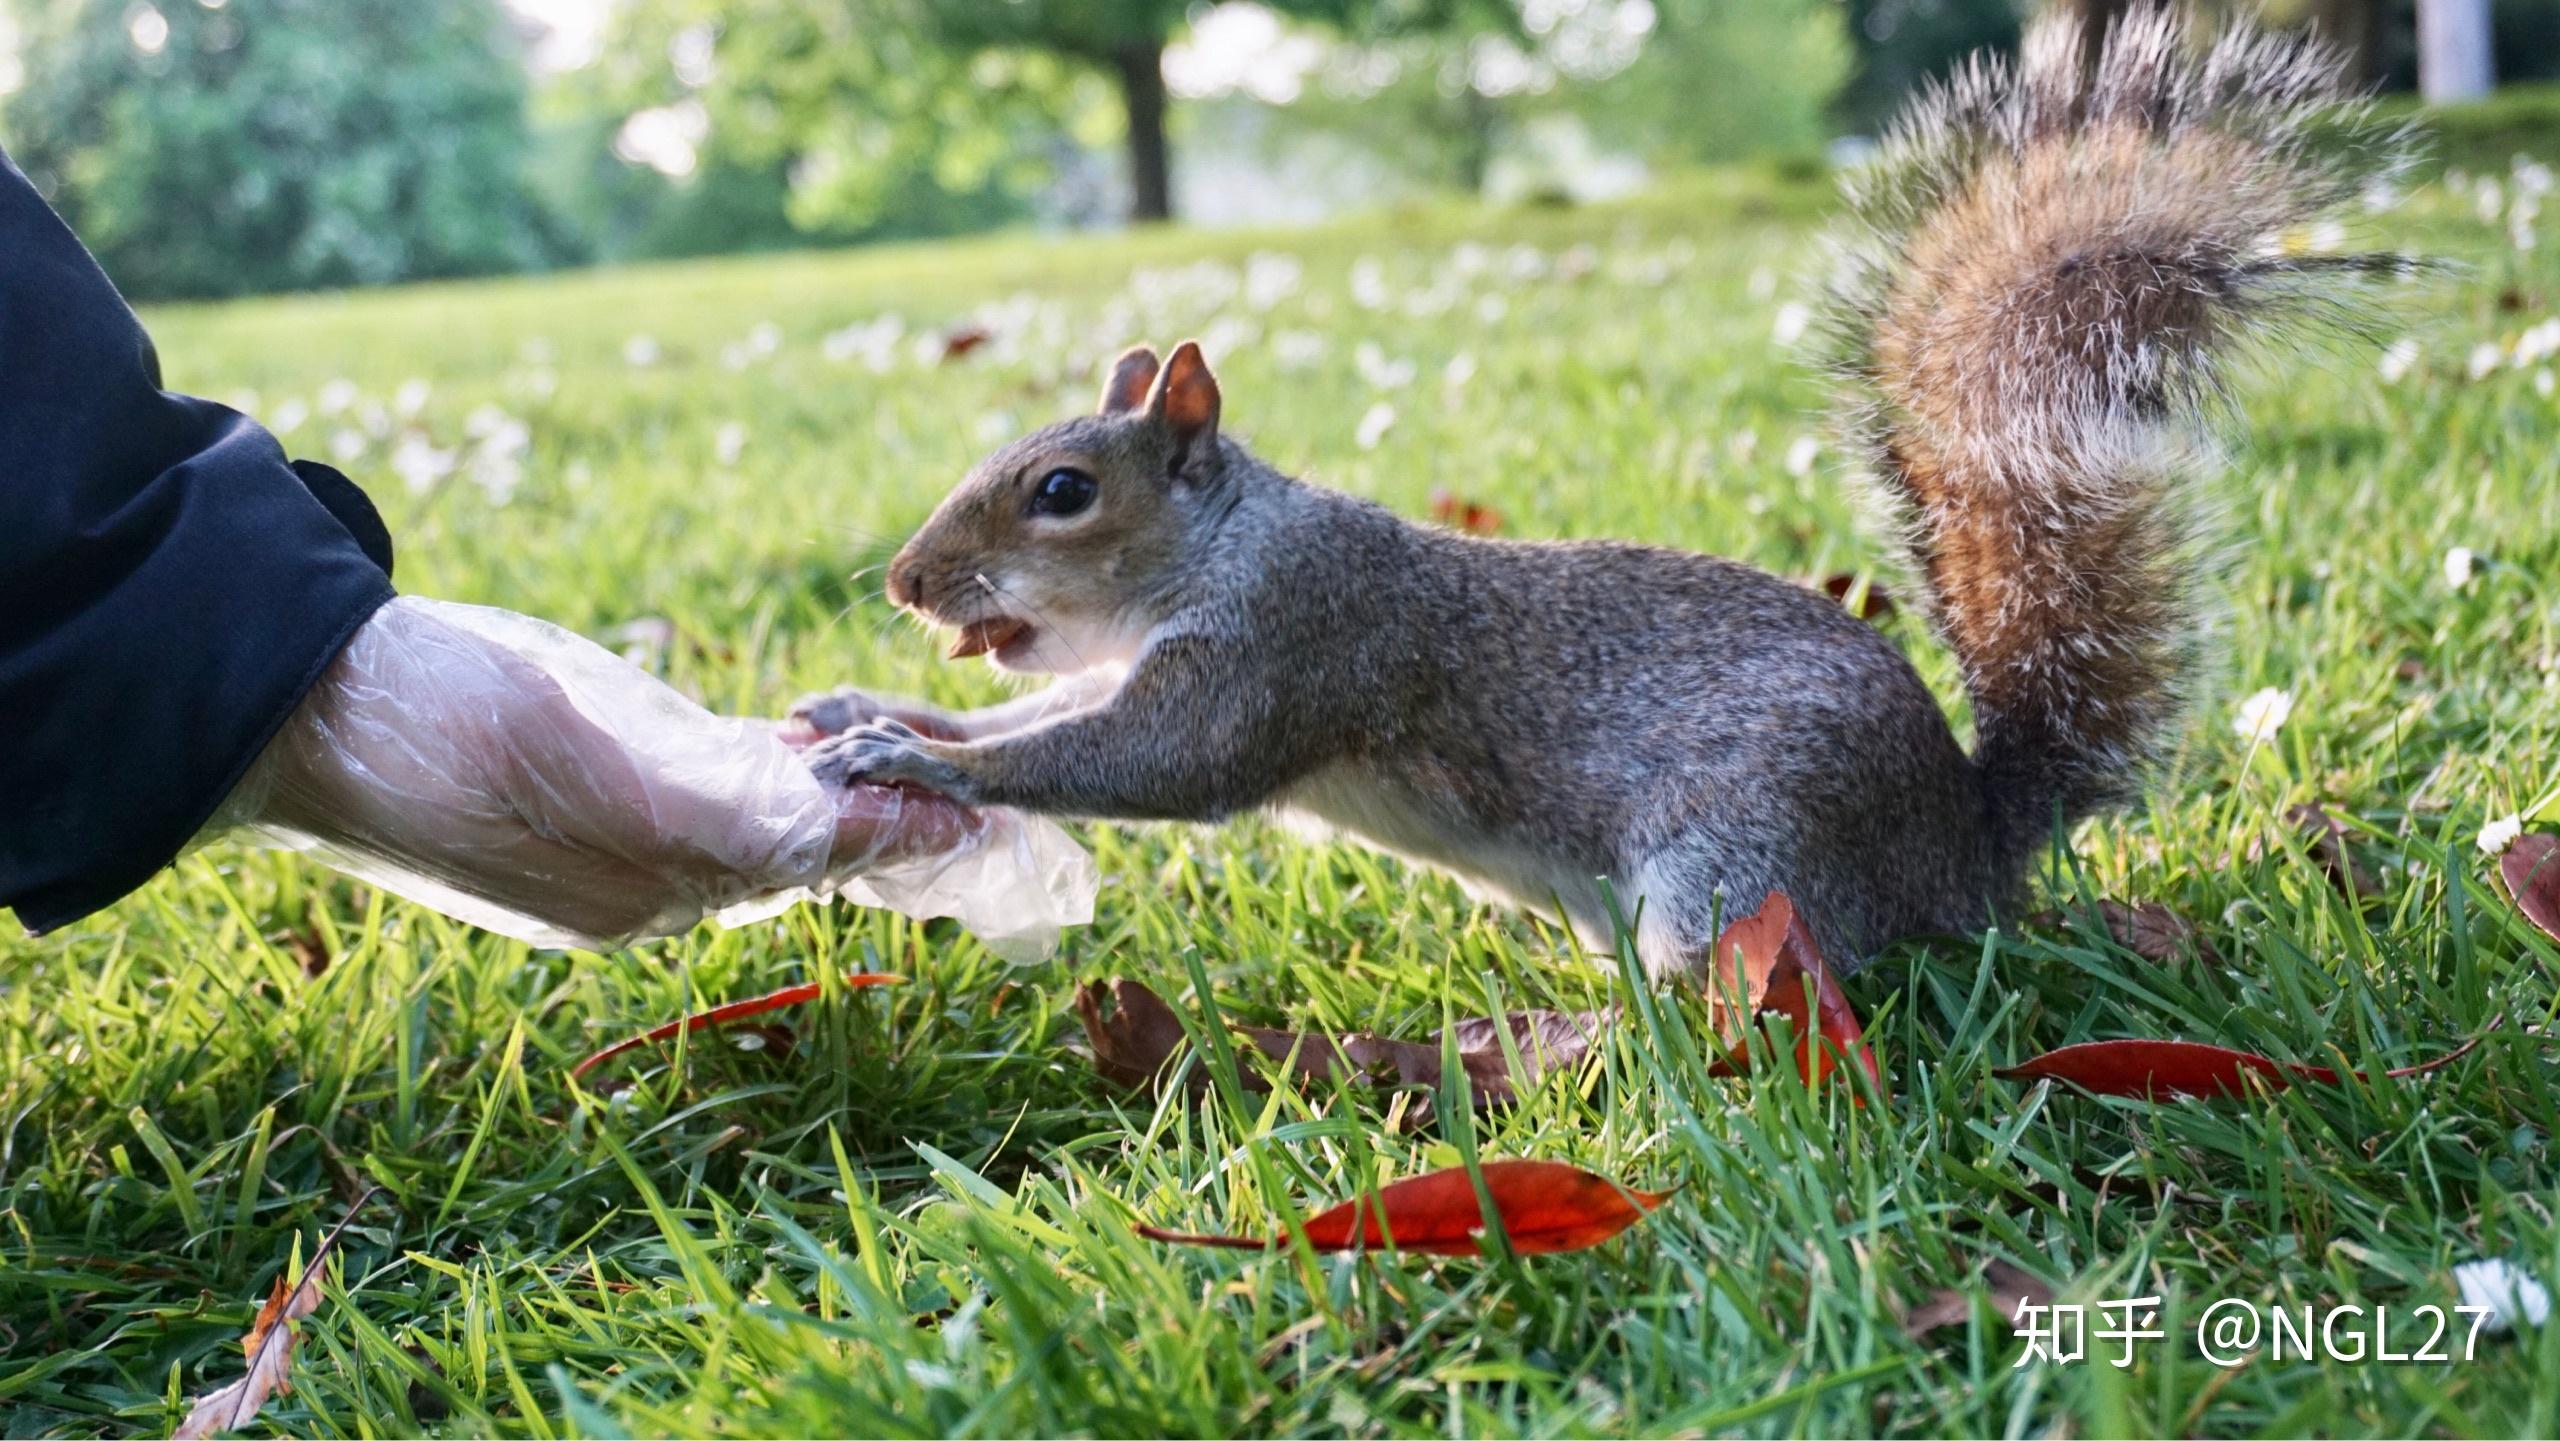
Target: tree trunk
[
  {"x": 1475, "y": 141},
  {"x": 2355, "y": 28},
  {"x": 1141, "y": 67},
  {"x": 2453, "y": 50}
]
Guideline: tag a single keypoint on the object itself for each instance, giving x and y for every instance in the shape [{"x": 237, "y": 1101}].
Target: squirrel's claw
[{"x": 886, "y": 752}]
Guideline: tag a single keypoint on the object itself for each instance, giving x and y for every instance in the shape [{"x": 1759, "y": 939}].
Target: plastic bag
[{"x": 516, "y": 776}]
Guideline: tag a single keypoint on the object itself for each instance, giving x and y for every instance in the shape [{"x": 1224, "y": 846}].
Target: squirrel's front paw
[
  {"x": 832, "y": 713},
  {"x": 888, "y": 753}
]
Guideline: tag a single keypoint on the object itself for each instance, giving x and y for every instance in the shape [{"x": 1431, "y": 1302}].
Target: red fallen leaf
[
  {"x": 268, "y": 1345},
  {"x": 2530, "y": 865},
  {"x": 2009, "y": 1290},
  {"x": 733, "y": 1011},
  {"x": 1770, "y": 957},
  {"x": 1449, "y": 509},
  {"x": 2184, "y": 1068},
  {"x": 1876, "y": 606},
  {"x": 960, "y": 340},
  {"x": 1544, "y": 1206}
]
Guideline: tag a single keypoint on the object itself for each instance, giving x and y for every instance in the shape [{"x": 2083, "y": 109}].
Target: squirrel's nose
[{"x": 902, "y": 581}]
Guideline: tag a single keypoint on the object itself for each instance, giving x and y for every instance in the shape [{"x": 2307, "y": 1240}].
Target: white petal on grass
[
  {"x": 2459, "y": 567},
  {"x": 2539, "y": 343},
  {"x": 1379, "y": 369},
  {"x": 1793, "y": 320},
  {"x": 346, "y": 445},
  {"x": 1269, "y": 278},
  {"x": 337, "y": 395},
  {"x": 2507, "y": 1291},
  {"x": 2484, "y": 359},
  {"x": 419, "y": 464},
  {"x": 289, "y": 415},
  {"x": 1374, "y": 425},
  {"x": 2262, "y": 715},
  {"x": 729, "y": 442},
  {"x": 411, "y": 397},
  {"x": 2397, "y": 359},
  {"x": 640, "y": 351},
  {"x": 2499, "y": 834},
  {"x": 1802, "y": 454},
  {"x": 1297, "y": 349},
  {"x": 1369, "y": 283}
]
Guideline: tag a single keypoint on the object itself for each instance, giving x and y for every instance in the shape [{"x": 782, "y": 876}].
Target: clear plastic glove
[{"x": 508, "y": 773}]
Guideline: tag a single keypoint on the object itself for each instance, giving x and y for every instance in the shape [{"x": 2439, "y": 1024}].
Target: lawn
[{"x": 916, "y": 1218}]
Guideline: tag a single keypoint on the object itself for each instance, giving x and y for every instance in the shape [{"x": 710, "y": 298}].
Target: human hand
[{"x": 501, "y": 770}]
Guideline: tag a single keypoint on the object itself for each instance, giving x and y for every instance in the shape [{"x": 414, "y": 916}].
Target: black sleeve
[{"x": 169, "y": 585}]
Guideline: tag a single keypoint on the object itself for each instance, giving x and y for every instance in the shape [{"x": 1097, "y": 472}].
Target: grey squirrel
[{"x": 2045, "y": 274}]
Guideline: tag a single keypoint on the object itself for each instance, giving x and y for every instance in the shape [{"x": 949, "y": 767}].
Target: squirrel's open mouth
[{"x": 981, "y": 636}]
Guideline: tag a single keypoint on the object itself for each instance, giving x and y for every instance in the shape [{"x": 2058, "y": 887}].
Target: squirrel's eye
[{"x": 1063, "y": 491}]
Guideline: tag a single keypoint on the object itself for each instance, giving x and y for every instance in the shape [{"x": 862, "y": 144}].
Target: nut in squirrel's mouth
[{"x": 993, "y": 634}]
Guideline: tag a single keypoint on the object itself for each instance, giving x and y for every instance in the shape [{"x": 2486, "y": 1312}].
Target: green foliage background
[{"x": 283, "y": 144}]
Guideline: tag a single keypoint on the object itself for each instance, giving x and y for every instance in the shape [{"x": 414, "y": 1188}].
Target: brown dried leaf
[
  {"x": 2008, "y": 1289},
  {"x": 269, "y": 1347},
  {"x": 2326, "y": 836},
  {"x": 1141, "y": 1034},
  {"x": 1132, "y": 1043},
  {"x": 2146, "y": 928},
  {"x": 1875, "y": 605},
  {"x": 310, "y": 951}
]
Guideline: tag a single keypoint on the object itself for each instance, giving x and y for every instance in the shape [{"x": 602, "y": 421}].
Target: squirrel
[{"x": 2046, "y": 274}]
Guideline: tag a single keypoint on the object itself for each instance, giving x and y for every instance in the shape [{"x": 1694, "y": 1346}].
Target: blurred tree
[
  {"x": 1125, "y": 40},
  {"x": 858, "y": 98},
  {"x": 1438, "y": 105},
  {"x": 713, "y": 125},
  {"x": 218, "y": 148},
  {"x": 1724, "y": 80},
  {"x": 1900, "y": 44}
]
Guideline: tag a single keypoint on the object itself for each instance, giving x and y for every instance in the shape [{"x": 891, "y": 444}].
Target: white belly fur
[{"x": 1427, "y": 830}]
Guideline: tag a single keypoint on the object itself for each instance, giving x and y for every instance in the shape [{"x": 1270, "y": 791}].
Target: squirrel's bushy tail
[{"x": 2048, "y": 268}]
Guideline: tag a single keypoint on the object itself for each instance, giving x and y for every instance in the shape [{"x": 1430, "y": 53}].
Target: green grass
[{"x": 918, "y": 1220}]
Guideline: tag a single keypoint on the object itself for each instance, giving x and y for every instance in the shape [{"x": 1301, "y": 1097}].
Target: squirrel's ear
[
  {"x": 1186, "y": 400},
  {"x": 1132, "y": 375}
]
